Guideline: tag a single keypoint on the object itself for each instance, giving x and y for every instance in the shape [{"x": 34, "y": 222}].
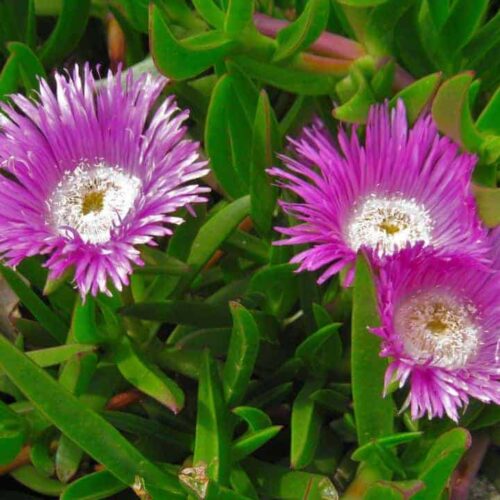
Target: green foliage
[{"x": 221, "y": 372}]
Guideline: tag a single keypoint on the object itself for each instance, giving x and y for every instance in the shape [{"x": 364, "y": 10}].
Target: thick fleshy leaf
[
  {"x": 300, "y": 34},
  {"x": 418, "y": 95},
  {"x": 331, "y": 400},
  {"x": 292, "y": 80},
  {"x": 306, "y": 425},
  {"x": 484, "y": 39},
  {"x": 45, "y": 316},
  {"x": 227, "y": 130},
  {"x": 488, "y": 119},
  {"x": 212, "y": 443},
  {"x": 136, "y": 12},
  {"x": 248, "y": 443},
  {"x": 397, "y": 490},
  {"x": 440, "y": 462},
  {"x": 9, "y": 77},
  {"x": 202, "y": 314},
  {"x": 279, "y": 285},
  {"x": 212, "y": 234},
  {"x": 374, "y": 414},
  {"x": 94, "y": 486},
  {"x": 41, "y": 452},
  {"x": 322, "y": 350},
  {"x": 451, "y": 111},
  {"x": 146, "y": 376},
  {"x": 243, "y": 350},
  {"x": 265, "y": 143},
  {"x": 488, "y": 203},
  {"x": 242, "y": 484},
  {"x": 247, "y": 246},
  {"x": 140, "y": 426},
  {"x": 379, "y": 29},
  {"x": 280, "y": 482},
  {"x": 29, "y": 477},
  {"x": 255, "y": 418},
  {"x": 29, "y": 66},
  {"x": 462, "y": 22},
  {"x": 70, "y": 27},
  {"x": 355, "y": 110},
  {"x": 83, "y": 323},
  {"x": 362, "y": 3},
  {"x": 388, "y": 442},
  {"x": 18, "y": 23},
  {"x": 209, "y": 10},
  {"x": 55, "y": 355},
  {"x": 186, "y": 58},
  {"x": 12, "y": 434},
  {"x": 82, "y": 425},
  {"x": 238, "y": 17}
]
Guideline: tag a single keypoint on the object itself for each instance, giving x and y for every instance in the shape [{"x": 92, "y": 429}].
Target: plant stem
[{"x": 328, "y": 44}]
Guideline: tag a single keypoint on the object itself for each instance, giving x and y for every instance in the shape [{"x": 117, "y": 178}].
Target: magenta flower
[
  {"x": 401, "y": 187},
  {"x": 93, "y": 173},
  {"x": 440, "y": 326}
]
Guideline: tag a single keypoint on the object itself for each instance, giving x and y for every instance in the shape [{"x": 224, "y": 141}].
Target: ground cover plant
[{"x": 249, "y": 249}]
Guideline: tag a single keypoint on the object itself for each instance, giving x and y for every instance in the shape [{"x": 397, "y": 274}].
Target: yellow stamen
[{"x": 93, "y": 201}]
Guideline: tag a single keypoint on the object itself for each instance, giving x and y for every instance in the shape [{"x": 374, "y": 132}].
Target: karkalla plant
[{"x": 253, "y": 245}]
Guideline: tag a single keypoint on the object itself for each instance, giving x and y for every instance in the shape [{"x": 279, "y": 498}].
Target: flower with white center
[
  {"x": 440, "y": 327},
  {"x": 91, "y": 172},
  {"x": 403, "y": 186}
]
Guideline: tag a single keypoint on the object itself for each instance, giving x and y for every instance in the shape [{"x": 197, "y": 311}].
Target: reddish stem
[
  {"x": 328, "y": 44},
  {"x": 335, "y": 49},
  {"x": 468, "y": 468}
]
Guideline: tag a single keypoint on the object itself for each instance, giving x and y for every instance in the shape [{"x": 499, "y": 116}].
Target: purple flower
[
  {"x": 401, "y": 187},
  {"x": 91, "y": 173},
  {"x": 440, "y": 326}
]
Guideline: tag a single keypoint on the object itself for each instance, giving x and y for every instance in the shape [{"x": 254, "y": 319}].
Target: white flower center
[
  {"x": 91, "y": 200},
  {"x": 387, "y": 224},
  {"x": 438, "y": 326}
]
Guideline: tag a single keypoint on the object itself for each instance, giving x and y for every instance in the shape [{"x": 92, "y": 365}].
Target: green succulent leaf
[
  {"x": 47, "y": 318},
  {"x": 488, "y": 203},
  {"x": 189, "y": 57},
  {"x": 243, "y": 350},
  {"x": 94, "y": 486},
  {"x": 209, "y": 10},
  {"x": 374, "y": 414},
  {"x": 211, "y": 236},
  {"x": 280, "y": 482},
  {"x": 306, "y": 425},
  {"x": 212, "y": 445},
  {"x": 252, "y": 441},
  {"x": 265, "y": 143},
  {"x": 255, "y": 418},
  {"x": 70, "y": 27},
  {"x": 12, "y": 434},
  {"x": 451, "y": 111},
  {"x": 201, "y": 314},
  {"x": 396, "y": 490},
  {"x": 418, "y": 95},
  {"x": 300, "y": 34},
  {"x": 441, "y": 461},
  {"x": 146, "y": 376},
  {"x": 238, "y": 17},
  {"x": 82, "y": 425}
]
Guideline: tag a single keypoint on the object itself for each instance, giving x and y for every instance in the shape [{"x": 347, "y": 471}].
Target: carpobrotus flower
[
  {"x": 401, "y": 187},
  {"x": 90, "y": 174},
  {"x": 440, "y": 321}
]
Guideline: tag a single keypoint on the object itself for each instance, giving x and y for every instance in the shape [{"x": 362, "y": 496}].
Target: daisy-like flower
[
  {"x": 90, "y": 173},
  {"x": 440, "y": 326},
  {"x": 403, "y": 186}
]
